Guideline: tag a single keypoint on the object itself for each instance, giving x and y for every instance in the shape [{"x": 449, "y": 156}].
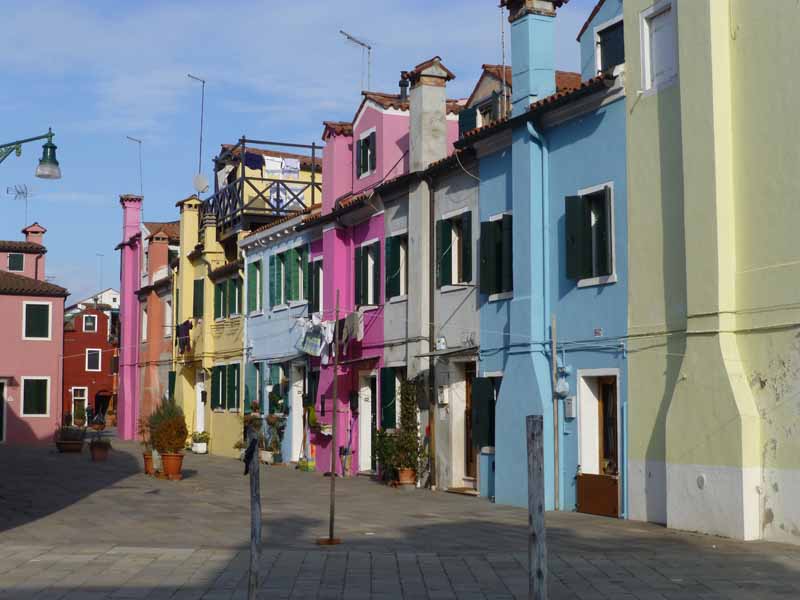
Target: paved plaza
[{"x": 70, "y": 528}]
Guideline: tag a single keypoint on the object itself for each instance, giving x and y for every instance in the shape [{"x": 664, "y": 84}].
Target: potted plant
[
  {"x": 147, "y": 453},
  {"x": 241, "y": 447},
  {"x": 69, "y": 438},
  {"x": 200, "y": 441},
  {"x": 168, "y": 409},
  {"x": 169, "y": 439},
  {"x": 99, "y": 448},
  {"x": 79, "y": 417},
  {"x": 409, "y": 450},
  {"x": 111, "y": 418}
]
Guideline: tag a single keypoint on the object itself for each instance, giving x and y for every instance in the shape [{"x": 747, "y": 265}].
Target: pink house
[
  {"x": 360, "y": 156},
  {"x": 31, "y": 342}
]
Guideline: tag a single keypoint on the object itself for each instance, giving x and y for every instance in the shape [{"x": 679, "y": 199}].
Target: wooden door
[{"x": 470, "y": 447}]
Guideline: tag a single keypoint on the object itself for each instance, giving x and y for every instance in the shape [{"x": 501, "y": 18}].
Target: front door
[
  {"x": 199, "y": 406},
  {"x": 597, "y": 484},
  {"x": 2, "y": 411},
  {"x": 366, "y": 421},
  {"x": 470, "y": 447}
]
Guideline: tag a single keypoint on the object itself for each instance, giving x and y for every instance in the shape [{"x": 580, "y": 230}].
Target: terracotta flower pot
[
  {"x": 99, "y": 452},
  {"x": 69, "y": 446},
  {"x": 406, "y": 476},
  {"x": 148, "y": 463},
  {"x": 172, "y": 463}
]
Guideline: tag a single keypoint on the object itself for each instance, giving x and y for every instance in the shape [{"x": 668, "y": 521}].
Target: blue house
[
  {"x": 554, "y": 263},
  {"x": 283, "y": 289}
]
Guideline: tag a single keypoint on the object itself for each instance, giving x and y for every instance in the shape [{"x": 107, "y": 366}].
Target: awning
[{"x": 450, "y": 353}]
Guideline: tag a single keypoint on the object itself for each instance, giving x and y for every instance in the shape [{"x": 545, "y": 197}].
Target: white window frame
[
  {"x": 168, "y": 317},
  {"x": 500, "y": 295},
  {"x": 49, "y": 321},
  {"x": 8, "y": 262},
  {"x": 371, "y": 261},
  {"x": 645, "y": 17},
  {"x": 598, "y": 62},
  {"x": 361, "y": 137},
  {"x": 22, "y": 412},
  {"x": 94, "y": 329},
  {"x": 582, "y": 376},
  {"x": 85, "y": 399},
  {"x": 259, "y": 307},
  {"x": 312, "y": 265},
  {"x": 144, "y": 323},
  {"x": 603, "y": 279},
  {"x": 99, "y": 360}
]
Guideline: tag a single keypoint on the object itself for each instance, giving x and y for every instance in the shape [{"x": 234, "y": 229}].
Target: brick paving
[{"x": 70, "y": 528}]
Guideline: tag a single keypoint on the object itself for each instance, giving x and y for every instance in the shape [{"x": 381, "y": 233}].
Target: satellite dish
[{"x": 200, "y": 183}]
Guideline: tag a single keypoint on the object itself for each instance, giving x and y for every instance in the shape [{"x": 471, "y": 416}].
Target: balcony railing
[{"x": 250, "y": 201}]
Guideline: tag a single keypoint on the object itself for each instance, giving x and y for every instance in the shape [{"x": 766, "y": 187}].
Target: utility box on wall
[{"x": 486, "y": 473}]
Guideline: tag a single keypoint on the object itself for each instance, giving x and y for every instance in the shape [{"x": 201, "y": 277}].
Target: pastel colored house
[
  {"x": 712, "y": 163},
  {"x": 31, "y": 342},
  {"x": 91, "y": 347}
]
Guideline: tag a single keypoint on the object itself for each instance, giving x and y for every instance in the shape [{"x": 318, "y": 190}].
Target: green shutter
[
  {"x": 34, "y": 398},
  {"x": 373, "y": 147},
  {"x": 290, "y": 275},
  {"x": 252, "y": 287},
  {"x": 507, "y": 255},
  {"x": 232, "y": 387},
  {"x": 274, "y": 374},
  {"x": 216, "y": 381},
  {"x": 219, "y": 300},
  {"x": 304, "y": 254},
  {"x": 251, "y": 372},
  {"x": 482, "y": 407},
  {"x": 358, "y": 158},
  {"x": 197, "y": 299},
  {"x": 444, "y": 253},
  {"x": 359, "y": 283},
  {"x": 171, "y": 385},
  {"x": 232, "y": 296},
  {"x": 604, "y": 242},
  {"x": 376, "y": 274},
  {"x": 467, "y": 120},
  {"x": 578, "y": 237},
  {"x": 388, "y": 393},
  {"x": 273, "y": 270},
  {"x": 37, "y": 320},
  {"x": 466, "y": 247},
  {"x": 16, "y": 262},
  {"x": 489, "y": 274},
  {"x": 392, "y": 261}
]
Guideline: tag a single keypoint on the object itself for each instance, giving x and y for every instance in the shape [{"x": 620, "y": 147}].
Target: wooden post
[
  {"x": 255, "y": 515},
  {"x": 537, "y": 545}
]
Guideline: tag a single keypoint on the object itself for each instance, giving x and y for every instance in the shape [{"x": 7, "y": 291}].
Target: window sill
[
  {"x": 218, "y": 410},
  {"x": 501, "y": 296},
  {"x": 36, "y": 339},
  {"x": 280, "y": 308},
  {"x": 256, "y": 313},
  {"x": 34, "y": 416},
  {"x": 657, "y": 87},
  {"x": 398, "y": 299},
  {"x": 456, "y": 287},
  {"x": 366, "y": 174},
  {"x": 593, "y": 281},
  {"x": 94, "y": 370},
  {"x": 368, "y": 308},
  {"x": 296, "y": 303}
]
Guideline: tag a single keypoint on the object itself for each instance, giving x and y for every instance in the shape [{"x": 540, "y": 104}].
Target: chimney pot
[{"x": 403, "y": 88}]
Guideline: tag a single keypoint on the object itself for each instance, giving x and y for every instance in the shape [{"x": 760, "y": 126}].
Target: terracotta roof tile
[
  {"x": 394, "y": 101},
  {"x": 226, "y": 269},
  {"x": 338, "y": 127},
  {"x": 417, "y": 70},
  {"x": 311, "y": 210},
  {"x": 305, "y": 160},
  {"x": 172, "y": 229},
  {"x": 23, "y": 247},
  {"x": 13, "y": 284},
  {"x": 565, "y": 80}
]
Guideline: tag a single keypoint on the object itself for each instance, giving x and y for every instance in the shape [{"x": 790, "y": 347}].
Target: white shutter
[{"x": 662, "y": 47}]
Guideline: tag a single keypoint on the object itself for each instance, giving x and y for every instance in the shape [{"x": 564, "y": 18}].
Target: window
[
  {"x": 396, "y": 266},
  {"x": 171, "y": 386},
  {"x": 79, "y": 397},
  {"x": 497, "y": 265},
  {"x": 144, "y": 323},
  {"x": 254, "y": 287},
  {"x": 367, "y": 274},
  {"x": 225, "y": 387},
  {"x": 35, "y": 396},
  {"x": 168, "y": 318},
  {"x": 36, "y": 324},
  {"x": 315, "y": 286},
  {"x": 93, "y": 359},
  {"x": 659, "y": 52},
  {"x": 90, "y": 323},
  {"x": 589, "y": 236},
  {"x": 253, "y": 385},
  {"x": 467, "y": 120},
  {"x": 454, "y": 250},
  {"x": 390, "y": 379},
  {"x": 197, "y": 299},
  {"x": 610, "y": 45},
  {"x": 288, "y": 276},
  {"x": 16, "y": 262},
  {"x": 366, "y": 148},
  {"x": 228, "y": 298},
  {"x": 172, "y": 254}
]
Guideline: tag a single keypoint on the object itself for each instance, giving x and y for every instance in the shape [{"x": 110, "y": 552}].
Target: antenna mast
[
  {"x": 133, "y": 139},
  {"x": 364, "y": 47}
]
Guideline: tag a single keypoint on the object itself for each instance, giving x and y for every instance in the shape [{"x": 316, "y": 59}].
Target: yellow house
[
  {"x": 714, "y": 354},
  {"x": 209, "y": 357}
]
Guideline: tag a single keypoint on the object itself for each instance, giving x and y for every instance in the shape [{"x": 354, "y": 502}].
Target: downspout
[
  {"x": 541, "y": 141},
  {"x": 431, "y": 326},
  {"x": 36, "y": 266}
]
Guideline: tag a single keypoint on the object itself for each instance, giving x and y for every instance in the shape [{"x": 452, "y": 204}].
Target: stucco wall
[
  {"x": 609, "y": 10},
  {"x": 395, "y": 313}
]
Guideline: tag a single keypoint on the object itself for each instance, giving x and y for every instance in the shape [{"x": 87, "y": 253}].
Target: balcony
[{"x": 266, "y": 186}]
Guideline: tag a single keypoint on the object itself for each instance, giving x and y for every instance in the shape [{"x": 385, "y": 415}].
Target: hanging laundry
[
  {"x": 254, "y": 161},
  {"x": 222, "y": 176},
  {"x": 291, "y": 168},
  {"x": 313, "y": 341},
  {"x": 352, "y": 329},
  {"x": 182, "y": 332}
]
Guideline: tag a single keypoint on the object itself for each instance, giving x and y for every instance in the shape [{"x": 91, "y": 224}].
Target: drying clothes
[
  {"x": 291, "y": 168},
  {"x": 273, "y": 167},
  {"x": 327, "y": 349},
  {"x": 254, "y": 161},
  {"x": 313, "y": 341},
  {"x": 222, "y": 176},
  {"x": 352, "y": 329},
  {"x": 183, "y": 336}
]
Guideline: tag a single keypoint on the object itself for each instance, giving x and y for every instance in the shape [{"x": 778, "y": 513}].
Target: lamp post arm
[{"x": 7, "y": 149}]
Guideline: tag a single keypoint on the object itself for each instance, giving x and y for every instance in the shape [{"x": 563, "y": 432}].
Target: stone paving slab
[{"x": 70, "y": 528}]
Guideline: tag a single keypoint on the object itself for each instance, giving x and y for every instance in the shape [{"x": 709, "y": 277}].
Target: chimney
[
  {"x": 533, "y": 50},
  {"x": 131, "y": 215},
  {"x": 403, "y": 87},
  {"x": 428, "y": 107},
  {"x": 34, "y": 233}
]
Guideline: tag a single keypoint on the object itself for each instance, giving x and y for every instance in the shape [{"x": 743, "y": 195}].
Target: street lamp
[{"x": 48, "y": 165}]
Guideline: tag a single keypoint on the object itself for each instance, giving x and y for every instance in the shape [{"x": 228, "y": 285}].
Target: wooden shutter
[
  {"x": 303, "y": 257},
  {"x": 388, "y": 394},
  {"x": 507, "y": 255},
  {"x": 216, "y": 381},
  {"x": 392, "y": 261},
  {"x": 444, "y": 253},
  {"x": 359, "y": 283},
  {"x": 489, "y": 275},
  {"x": 219, "y": 301},
  {"x": 197, "y": 299},
  {"x": 467, "y": 120},
  {"x": 37, "y": 320},
  {"x": 359, "y": 168},
  {"x": 250, "y": 385},
  {"x": 272, "y": 280},
  {"x": 482, "y": 407},
  {"x": 466, "y": 247},
  {"x": 171, "y": 385},
  {"x": 252, "y": 287},
  {"x": 232, "y": 387},
  {"x": 604, "y": 248},
  {"x": 375, "y": 249},
  {"x": 290, "y": 275},
  {"x": 231, "y": 294},
  {"x": 578, "y": 237},
  {"x": 373, "y": 151}
]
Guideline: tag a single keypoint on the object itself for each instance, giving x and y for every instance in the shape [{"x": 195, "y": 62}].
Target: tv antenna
[
  {"x": 365, "y": 49},
  {"x": 21, "y": 192},
  {"x": 199, "y": 181},
  {"x": 133, "y": 139}
]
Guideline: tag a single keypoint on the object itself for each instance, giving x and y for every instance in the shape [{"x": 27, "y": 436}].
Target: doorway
[
  {"x": 597, "y": 482},
  {"x": 199, "y": 402},
  {"x": 470, "y": 446},
  {"x": 367, "y": 419},
  {"x": 2, "y": 411}
]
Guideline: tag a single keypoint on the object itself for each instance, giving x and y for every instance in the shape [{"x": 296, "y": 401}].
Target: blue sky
[{"x": 98, "y": 71}]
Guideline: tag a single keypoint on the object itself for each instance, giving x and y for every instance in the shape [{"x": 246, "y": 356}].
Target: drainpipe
[
  {"x": 431, "y": 325},
  {"x": 541, "y": 141}
]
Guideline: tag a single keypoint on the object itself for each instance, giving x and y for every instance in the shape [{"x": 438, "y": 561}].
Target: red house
[{"x": 91, "y": 346}]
